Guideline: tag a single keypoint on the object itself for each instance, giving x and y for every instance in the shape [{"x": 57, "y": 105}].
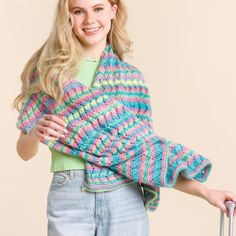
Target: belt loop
[{"x": 71, "y": 174}]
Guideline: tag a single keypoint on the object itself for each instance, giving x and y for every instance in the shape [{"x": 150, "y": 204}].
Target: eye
[
  {"x": 78, "y": 12},
  {"x": 98, "y": 9}
]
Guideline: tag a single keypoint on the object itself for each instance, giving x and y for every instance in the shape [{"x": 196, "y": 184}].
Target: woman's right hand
[{"x": 49, "y": 127}]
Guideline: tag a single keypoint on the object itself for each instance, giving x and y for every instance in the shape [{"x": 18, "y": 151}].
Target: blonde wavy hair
[{"x": 59, "y": 56}]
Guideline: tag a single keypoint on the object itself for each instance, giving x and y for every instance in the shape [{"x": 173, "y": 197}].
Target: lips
[{"x": 91, "y": 30}]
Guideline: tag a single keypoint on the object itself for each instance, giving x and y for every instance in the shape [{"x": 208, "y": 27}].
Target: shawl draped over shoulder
[{"x": 110, "y": 126}]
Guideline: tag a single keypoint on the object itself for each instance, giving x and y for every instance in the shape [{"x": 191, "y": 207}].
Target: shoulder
[
  {"x": 133, "y": 71},
  {"x": 135, "y": 78}
]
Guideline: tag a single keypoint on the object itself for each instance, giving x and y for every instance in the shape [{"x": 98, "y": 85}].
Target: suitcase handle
[{"x": 230, "y": 206}]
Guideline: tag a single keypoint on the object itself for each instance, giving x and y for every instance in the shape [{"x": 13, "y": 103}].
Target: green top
[{"x": 62, "y": 161}]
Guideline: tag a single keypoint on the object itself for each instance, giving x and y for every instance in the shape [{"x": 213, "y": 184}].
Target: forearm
[
  {"x": 27, "y": 146},
  {"x": 191, "y": 187}
]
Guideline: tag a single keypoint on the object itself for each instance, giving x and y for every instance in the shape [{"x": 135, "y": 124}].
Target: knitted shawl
[{"x": 111, "y": 128}]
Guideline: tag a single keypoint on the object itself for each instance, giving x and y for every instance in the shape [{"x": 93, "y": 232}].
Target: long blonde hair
[{"x": 59, "y": 56}]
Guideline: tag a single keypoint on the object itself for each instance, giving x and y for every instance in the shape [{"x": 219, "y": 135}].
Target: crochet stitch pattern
[{"x": 110, "y": 126}]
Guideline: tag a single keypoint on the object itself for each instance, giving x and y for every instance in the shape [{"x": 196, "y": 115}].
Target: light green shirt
[{"x": 61, "y": 161}]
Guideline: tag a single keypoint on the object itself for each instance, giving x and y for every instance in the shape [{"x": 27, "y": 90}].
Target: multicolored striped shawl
[{"x": 110, "y": 126}]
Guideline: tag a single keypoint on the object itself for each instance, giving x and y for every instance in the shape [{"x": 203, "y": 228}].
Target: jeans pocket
[{"x": 59, "y": 179}]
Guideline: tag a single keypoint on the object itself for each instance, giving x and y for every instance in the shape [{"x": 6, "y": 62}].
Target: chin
[{"x": 92, "y": 43}]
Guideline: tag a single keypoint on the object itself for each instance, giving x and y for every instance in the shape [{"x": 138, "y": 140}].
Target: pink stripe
[
  {"x": 151, "y": 169},
  {"x": 163, "y": 163},
  {"x": 142, "y": 162}
]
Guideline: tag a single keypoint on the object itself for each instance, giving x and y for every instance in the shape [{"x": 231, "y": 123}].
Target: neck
[{"x": 94, "y": 52}]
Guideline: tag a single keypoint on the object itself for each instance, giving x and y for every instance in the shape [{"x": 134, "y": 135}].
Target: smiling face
[{"x": 92, "y": 21}]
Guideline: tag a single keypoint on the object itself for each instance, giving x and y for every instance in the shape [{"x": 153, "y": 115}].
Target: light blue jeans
[{"x": 72, "y": 212}]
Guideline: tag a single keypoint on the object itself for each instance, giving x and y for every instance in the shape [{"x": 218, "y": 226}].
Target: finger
[
  {"x": 56, "y": 119},
  {"x": 53, "y": 125},
  {"x": 48, "y": 138},
  {"x": 44, "y": 137},
  {"x": 228, "y": 195},
  {"x": 233, "y": 198},
  {"x": 50, "y": 132}
]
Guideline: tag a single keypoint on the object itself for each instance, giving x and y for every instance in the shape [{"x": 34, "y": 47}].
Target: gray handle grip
[{"x": 230, "y": 206}]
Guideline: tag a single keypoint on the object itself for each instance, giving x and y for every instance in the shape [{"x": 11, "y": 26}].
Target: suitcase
[{"x": 230, "y": 206}]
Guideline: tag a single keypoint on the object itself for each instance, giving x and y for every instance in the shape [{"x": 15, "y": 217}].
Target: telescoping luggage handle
[{"x": 230, "y": 206}]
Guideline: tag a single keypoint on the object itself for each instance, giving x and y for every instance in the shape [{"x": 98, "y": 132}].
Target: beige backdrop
[{"x": 186, "y": 50}]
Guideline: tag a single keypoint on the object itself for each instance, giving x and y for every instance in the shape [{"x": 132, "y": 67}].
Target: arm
[
  {"x": 214, "y": 197},
  {"x": 27, "y": 146},
  {"x": 191, "y": 187},
  {"x": 49, "y": 127}
]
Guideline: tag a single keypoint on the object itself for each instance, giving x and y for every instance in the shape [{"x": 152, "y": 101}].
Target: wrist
[
  {"x": 204, "y": 193},
  {"x": 31, "y": 135}
]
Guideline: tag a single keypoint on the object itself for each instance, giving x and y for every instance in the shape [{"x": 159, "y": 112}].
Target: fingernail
[{"x": 66, "y": 131}]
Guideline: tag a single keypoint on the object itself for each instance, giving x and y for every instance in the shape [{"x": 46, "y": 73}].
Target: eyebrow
[{"x": 96, "y": 5}]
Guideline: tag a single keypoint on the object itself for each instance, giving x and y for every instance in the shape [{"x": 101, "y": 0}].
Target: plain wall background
[{"x": 187, "y": 51}]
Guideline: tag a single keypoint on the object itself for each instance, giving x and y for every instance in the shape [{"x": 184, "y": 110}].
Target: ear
[{"x": 113, "y": 9}]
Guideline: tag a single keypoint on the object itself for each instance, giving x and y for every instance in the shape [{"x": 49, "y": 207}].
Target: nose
[{"x": 90, "y": 17}]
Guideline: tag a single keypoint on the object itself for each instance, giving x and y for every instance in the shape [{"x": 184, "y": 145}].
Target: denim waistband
[{"x": 72, "y": 173}]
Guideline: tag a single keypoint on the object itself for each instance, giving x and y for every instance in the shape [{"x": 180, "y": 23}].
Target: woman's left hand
[{"x": 218, "y": 197}]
